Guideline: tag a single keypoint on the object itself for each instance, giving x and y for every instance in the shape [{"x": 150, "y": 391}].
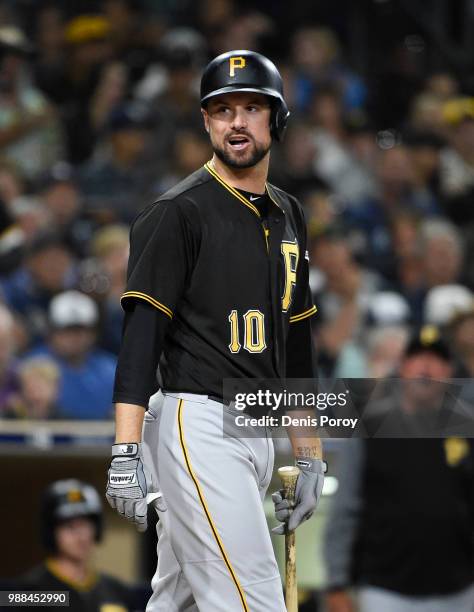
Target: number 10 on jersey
[{"x": 254, "y": 332}]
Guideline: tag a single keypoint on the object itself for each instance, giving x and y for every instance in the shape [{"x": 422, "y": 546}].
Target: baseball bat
[{"x": 289, "y": 476}]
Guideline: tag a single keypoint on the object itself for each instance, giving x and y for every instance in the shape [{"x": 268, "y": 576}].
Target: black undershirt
[{"x": 144, "y": 330}]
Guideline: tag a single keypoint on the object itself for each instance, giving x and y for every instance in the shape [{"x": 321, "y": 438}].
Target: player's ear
[{"x": 205, "y": 116}]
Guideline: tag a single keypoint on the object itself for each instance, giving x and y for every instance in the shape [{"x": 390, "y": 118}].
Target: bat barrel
[{"x": 289, "y": 476}]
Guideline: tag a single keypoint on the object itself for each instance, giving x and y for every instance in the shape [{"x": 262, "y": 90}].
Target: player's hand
[
  {"x": 129, "y": 482},
  {"x": 339, "y": 601},
  {"x": 307, "y": 493}
]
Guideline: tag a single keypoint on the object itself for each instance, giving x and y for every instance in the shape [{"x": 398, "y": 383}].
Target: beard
[{"x": 235, "y": 159}]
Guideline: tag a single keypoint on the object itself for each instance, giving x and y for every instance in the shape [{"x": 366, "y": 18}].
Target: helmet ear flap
[{"x": 279, "y": 120}]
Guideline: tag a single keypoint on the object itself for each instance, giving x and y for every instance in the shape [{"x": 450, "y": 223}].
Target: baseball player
[
  {"x": 71, "y": 524},
  {"x": 217, "y": 288}
]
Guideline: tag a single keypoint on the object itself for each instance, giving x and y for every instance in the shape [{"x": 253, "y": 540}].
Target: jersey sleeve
[
  {"x": 160, "y": 258},
  {"x": 302, "y": 303}
]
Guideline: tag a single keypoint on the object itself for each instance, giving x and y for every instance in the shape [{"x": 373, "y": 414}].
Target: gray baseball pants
[{"x": 214, "y": 549}]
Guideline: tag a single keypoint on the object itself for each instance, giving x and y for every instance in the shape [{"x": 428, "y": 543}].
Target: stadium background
[{"x": 99, "y": 115}]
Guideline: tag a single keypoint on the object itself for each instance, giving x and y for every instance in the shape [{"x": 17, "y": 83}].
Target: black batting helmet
[
  {"x": 247, "y": 71},
  {"x": 68, "y": 499}
]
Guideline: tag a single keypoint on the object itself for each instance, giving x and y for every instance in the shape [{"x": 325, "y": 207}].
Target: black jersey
[
  {"x": 100, "y": 593},
  {"x": 230, "y": 281}
]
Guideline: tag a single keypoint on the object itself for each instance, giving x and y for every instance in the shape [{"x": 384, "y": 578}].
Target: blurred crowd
[{"x": 100, "y": 114}]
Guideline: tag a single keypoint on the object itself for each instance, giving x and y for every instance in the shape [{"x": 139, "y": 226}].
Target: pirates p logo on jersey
[{"x": 236, "y": 63}]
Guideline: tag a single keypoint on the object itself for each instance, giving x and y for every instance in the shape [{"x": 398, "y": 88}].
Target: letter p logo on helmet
[{"x": 236, "y": 62}]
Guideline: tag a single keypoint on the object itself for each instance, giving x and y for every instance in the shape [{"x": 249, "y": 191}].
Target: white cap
[
  {"x": 389, "y": 308},
  {"x": 73, "y": 308},
  {"x": 444, "y": 302}
]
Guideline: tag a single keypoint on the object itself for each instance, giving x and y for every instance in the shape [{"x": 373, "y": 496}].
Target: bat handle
[{"x": 289, "y": 476}]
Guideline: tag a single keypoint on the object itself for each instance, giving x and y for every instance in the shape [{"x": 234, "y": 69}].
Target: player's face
[
  {"x": 239, "y": 127},
  {"x": 75, "y": 539}
]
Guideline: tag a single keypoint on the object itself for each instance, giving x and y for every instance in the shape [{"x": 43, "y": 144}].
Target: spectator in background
[
  {"x": 88, "y": 49},
  {"x": 461, "y": 334},
  {"x": 400, "y": 529},
  {"x": 103, "y": 278},
  {"x": 444, "y": 303},
  {"x": 31, "y": 216},
  {"x": 12, "y": 183},
  {"x": 12, "y": 239},
  {"x": 317, "y": 58},
  {"x": 443, "y": 252},
  {"x": 109, "y": 94},
  {"x": 369, "y": 220},
  {"x": 342, "y": 291},
  {"x": 122, "y": 177},
  {"x": 29, "y": 131},
  {"x": 8, "y": 375},
  {"x": 175, "y": 107},
  {"x": 59, "y": 192},
  {"x": 128, "y": 36},
  {"x": 335, "y": 160},
  {"x": 457, "y": 160},
  {"x": 71, "y": 526},
  {"x": 294, "y": 166},
  {"x": 443, "y": 85},
  {"x": 49, "y": 267},
  {"x": 385, "y": 346},
  {"x": 87, "y": 374},
  {"x": 426, "y": 114},
  {"x": 190, "y": 151},
  {"x": 49, "y": 63},
  {"x": 424, "y": 154},
  {"x": 37, "y": 395}
]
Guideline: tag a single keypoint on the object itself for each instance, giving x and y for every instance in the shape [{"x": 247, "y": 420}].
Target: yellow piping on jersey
[
  {"x": 303, "y": 315},
  {"x": 206, "y": 509},
  {"x": 233, "y": 191},
  {"x": 150, "y": 300},
  {"x": 83, "y": 586}
]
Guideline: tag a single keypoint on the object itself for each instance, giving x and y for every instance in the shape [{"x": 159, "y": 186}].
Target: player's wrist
[
  {"x": 126, "y": 449},
  {"x": 309, "y": 464}
]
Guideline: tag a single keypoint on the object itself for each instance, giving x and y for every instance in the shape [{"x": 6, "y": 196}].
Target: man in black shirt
[
  {"x": 401, "y": 528},
  {"x": 71, "y": 518},
  {"x": 217, "y": 288}
]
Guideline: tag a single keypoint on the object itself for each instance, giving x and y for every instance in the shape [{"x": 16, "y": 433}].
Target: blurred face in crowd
[
  {"x": 62, "y": 200},
  {"x": 314, "y": 49},
  {"x": 115, "y": 261},
  {"x": 425, "y": 160},
  {"x": 11, "y": 65},
  {"x": 128, "y": 144},
  {"x": 385, "y": 355},
  {"x": 326, "y": 112},
  {"x": 50, "y": 267},
  {"x": 299, "y": 149},
  {"x": 428, "y": 369},
  {"x": 443, "y": 260},
  {"x": 39, "y": 393},
  {"x": 191, "y": 152},
  {"x": 404, "y": 232},
  {"x": 463, "y": 138},
  {"x": 239, "y": 127},
  {"x": 394, "y": 170},
  {"x": 75, "y": 539},
  {"x": 50, "y": 30},
  {"x": 72, "y": 343},
  {"x": 463, "y": 337},
  {"x": 332, "y": 256}
]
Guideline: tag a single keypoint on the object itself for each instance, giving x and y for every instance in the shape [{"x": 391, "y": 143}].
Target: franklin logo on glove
[{"x": 122, "y": 479}]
